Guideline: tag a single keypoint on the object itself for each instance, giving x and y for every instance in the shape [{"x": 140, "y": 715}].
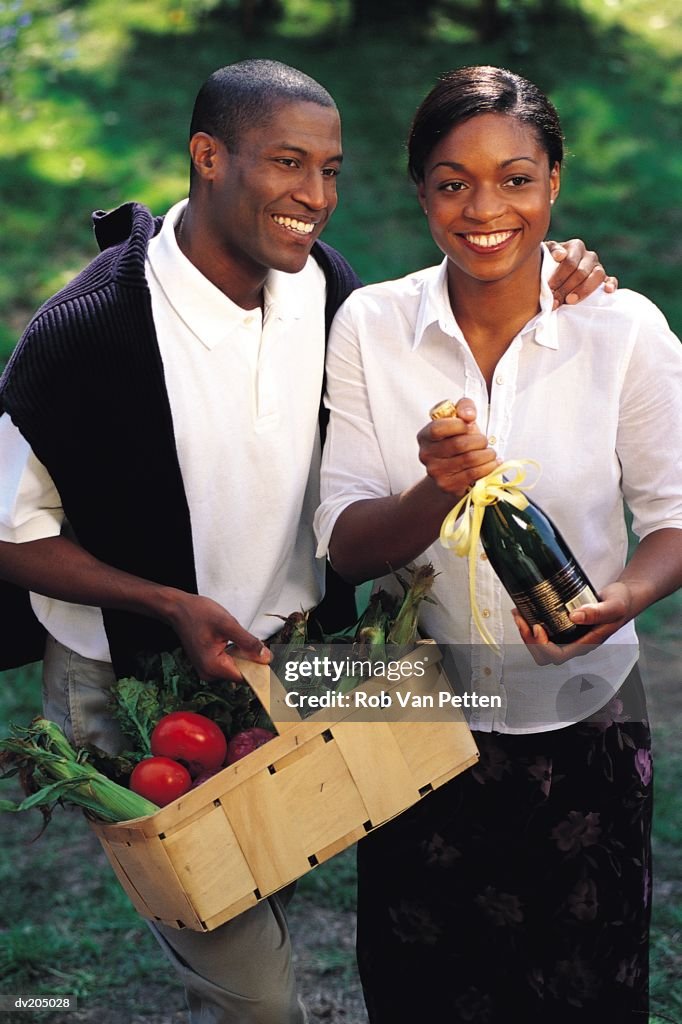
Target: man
[{"x": 159, "y": 455}]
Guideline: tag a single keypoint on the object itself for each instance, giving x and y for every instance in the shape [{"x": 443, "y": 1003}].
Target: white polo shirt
[
  {"x": 244, "y": 389},
  {"x": 593, "y": 392}
]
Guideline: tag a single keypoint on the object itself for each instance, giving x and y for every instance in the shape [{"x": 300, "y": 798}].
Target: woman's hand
[
  {"x": 579, "y": 272},
  {"x": 614, "y": 609},
  {"x": 454, "y": 452}
]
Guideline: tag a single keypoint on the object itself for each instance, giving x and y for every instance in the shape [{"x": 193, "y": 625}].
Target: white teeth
[
  {"x": 301, "y": 226},
  {"x": 488, "y": 241}
]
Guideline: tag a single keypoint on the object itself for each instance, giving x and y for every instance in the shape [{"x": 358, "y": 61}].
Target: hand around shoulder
[{"x": 579, "y": 272}]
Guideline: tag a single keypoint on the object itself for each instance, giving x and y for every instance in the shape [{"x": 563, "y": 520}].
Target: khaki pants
[{"x": 240, "y": 973}]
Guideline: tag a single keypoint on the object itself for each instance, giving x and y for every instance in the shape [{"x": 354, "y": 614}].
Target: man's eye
[
  {"x": 331, "y": 172},
  {"x": 287, "y": 161}
]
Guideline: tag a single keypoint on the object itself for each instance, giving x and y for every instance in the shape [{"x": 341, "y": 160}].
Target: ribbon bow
[{"x": 463, "y": 539}]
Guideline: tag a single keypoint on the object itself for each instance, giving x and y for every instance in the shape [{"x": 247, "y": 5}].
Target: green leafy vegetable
[{"x": 170, "y": 683}]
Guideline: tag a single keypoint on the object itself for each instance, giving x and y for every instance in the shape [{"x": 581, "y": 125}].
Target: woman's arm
[
  {"x": 650, "y": 455},
  {"x": 373, "y": 536}
]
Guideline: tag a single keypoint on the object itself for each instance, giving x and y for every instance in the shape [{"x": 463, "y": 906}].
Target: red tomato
[
  {"x": 160, "y": 780},
  {"x": 190, "y": 738},
  {"x": 244, "y": 742}
]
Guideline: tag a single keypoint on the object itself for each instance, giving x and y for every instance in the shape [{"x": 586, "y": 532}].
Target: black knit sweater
[{"x": 85, "y": 386}]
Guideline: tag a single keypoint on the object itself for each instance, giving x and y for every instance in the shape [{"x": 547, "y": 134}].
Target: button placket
[
  {"x": 259, "y": 337},
  {"x": 502, "y": 397}
]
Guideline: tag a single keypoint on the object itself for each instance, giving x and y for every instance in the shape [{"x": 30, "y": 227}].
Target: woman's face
[{"x": 487, "y": 193}]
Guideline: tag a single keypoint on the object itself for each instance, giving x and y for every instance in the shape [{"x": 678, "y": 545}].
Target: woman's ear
[
  {"x": 554, "y": 182},
  {"x": 203, "y": 150}
]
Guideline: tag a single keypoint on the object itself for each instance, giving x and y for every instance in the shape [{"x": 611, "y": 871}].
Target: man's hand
[
  {"x": 454, "y": 451},
  {"x": 210, "y": 636},
  {"x": 579, "y": 272},
  {"x": 613, "y": 611}
]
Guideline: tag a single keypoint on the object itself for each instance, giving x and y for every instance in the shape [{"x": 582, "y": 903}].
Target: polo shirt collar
[
  {"x": 204, "y": 309},
  {"x": 282, "y": 299},
  {"x": 434, "y": 307}
]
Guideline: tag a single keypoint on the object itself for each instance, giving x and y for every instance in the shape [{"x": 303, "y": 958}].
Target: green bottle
[{"x": 536, "y": 568}]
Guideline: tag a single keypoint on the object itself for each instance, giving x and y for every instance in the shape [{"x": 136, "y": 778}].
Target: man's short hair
[{"x": 245, "y": 94}]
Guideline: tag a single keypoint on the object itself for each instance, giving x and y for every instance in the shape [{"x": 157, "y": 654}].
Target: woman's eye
[
  {"x": 518, "y": 179},
  {"x": 452, "y": 186}
]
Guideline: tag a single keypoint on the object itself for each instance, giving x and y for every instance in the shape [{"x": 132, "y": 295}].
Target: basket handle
[{"x": 270, "y": 693}]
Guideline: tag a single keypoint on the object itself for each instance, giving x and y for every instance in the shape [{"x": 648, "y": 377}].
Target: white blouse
[{"x": 593, "y": 392}]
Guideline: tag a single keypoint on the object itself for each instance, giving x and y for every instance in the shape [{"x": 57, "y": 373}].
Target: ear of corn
[
  {"x": 389, "y": 627},
  {"x": 51, "y": 770},
  {"x": 403, "y": 631}
]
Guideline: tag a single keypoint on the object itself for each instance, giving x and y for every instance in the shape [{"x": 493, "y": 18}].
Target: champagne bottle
[
  {"x": 533, "y": 562},
  {"x": 536, "y": 567}
]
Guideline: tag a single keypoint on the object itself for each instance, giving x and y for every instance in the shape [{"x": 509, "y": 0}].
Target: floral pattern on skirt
[{"x": 520, "y": 890}]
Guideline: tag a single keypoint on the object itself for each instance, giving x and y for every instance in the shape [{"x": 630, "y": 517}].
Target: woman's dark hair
[
  {"x": 467, "y": 92},
  {"x": 245, "y": 94}
]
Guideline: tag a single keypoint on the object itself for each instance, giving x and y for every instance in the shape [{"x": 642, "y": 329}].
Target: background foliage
[{"x": 95, "y": 111}]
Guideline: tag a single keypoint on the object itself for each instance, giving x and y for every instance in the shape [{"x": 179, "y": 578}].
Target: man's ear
[{"x": 204, "y": 150}]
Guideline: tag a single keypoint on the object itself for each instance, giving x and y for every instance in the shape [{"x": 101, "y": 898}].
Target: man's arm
[{"x": 58, "y": 568}]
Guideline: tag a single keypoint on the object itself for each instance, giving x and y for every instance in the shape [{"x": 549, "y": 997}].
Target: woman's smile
[{"x": 489, "y": 242}]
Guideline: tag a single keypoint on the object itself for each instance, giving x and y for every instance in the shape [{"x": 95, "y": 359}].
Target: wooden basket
[{"x": 319, "y": 786}]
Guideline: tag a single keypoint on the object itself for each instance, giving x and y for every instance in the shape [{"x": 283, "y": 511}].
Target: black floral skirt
[{"x": 520, "y": 890}]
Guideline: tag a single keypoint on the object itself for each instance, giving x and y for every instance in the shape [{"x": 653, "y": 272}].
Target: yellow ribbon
[{"x": 463, "y": 539}]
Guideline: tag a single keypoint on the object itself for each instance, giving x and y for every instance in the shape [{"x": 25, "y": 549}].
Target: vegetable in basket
[{"x": 52, "y": 772}]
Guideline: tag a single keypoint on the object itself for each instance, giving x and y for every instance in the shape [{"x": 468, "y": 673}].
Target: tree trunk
[
  {"x": 489, "y": 20},
  {"x": 373, "y": 13}
]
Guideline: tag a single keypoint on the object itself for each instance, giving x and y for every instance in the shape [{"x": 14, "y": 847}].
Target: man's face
[{"x": 269, "y": 200}]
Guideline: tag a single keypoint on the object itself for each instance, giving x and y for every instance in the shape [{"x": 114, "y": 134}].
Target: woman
[{"x": 520, "y": 890}]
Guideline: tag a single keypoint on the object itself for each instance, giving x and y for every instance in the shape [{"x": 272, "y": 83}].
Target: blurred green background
[{"x": 95, "y": 100}]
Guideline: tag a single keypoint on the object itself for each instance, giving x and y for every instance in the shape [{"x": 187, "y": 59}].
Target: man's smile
[{"x": 300, "y": 227}]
